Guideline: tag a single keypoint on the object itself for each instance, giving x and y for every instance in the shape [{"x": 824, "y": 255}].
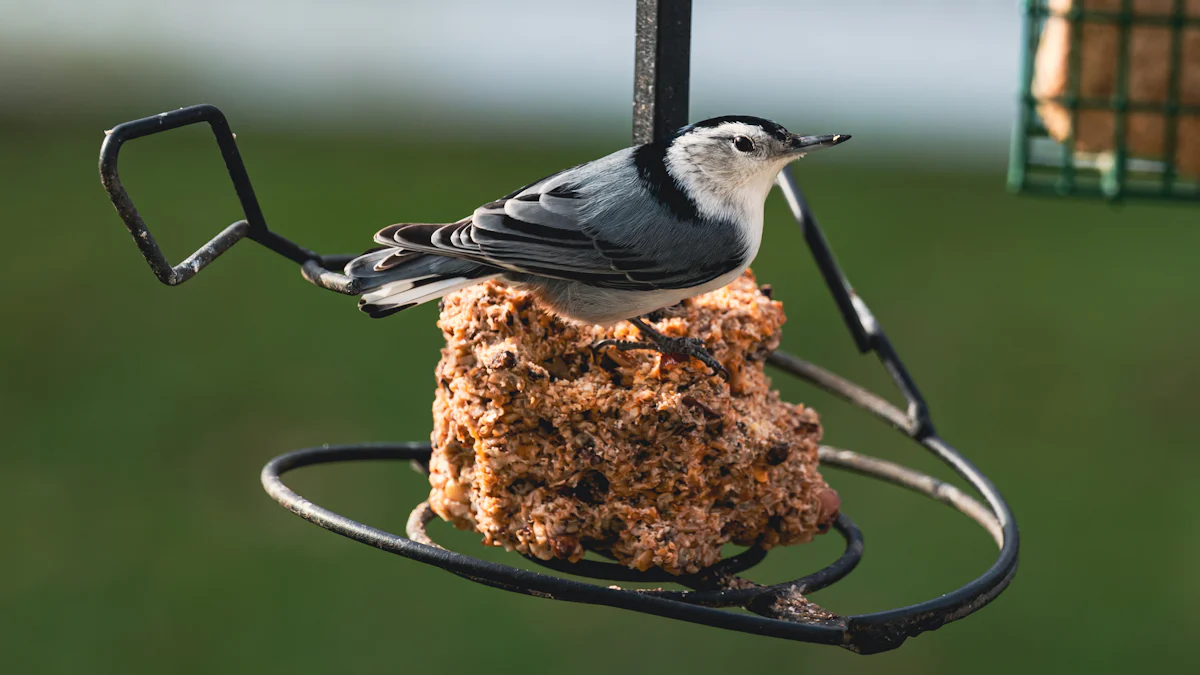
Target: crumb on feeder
[
  {"x": 1148, "y": 81},
  {"x": 546, "y": 446}
]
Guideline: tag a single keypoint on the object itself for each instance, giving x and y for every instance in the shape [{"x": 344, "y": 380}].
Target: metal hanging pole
[{"x": 662, "y": 68}]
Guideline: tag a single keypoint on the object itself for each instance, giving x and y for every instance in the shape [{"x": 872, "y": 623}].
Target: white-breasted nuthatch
[{"x": 616, "y": 238}]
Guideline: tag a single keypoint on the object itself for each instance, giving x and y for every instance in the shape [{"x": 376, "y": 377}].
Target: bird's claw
[
  {"x": 686, "y": 346},
  {"x": 624, "y": 345},
  {"x": 694, "y": 347}
]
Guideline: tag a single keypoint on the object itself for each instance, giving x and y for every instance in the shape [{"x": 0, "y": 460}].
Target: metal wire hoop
[{"x": 779, "y": 610}]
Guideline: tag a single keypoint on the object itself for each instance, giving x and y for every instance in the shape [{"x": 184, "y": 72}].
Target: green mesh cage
[{"x": 1110, "y": 99}]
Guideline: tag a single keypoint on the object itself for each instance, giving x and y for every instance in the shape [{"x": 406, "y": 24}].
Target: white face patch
[
  {"x": 724, "y": 180},
  {"x": 728, "y": 170}
]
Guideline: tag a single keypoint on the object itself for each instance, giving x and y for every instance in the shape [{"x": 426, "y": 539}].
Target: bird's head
[{"x": 736, "y": 157}]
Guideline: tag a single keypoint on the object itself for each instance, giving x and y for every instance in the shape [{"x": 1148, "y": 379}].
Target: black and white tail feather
[{"x": 394, "y": 279}]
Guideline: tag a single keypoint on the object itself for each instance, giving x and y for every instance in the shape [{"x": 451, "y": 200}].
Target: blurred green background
[{"x": 1055, "y": 341}]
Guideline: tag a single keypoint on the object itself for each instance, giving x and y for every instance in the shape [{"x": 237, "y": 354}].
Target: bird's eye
[{"x": 743, "y": 144}]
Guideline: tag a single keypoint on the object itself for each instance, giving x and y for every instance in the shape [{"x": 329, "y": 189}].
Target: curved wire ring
[
  {"x": 712, "y": 583},
  {"x": 786, "y": 614}
]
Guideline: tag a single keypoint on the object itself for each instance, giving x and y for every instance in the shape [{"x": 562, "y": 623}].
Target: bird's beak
[{"x": 800, "y": 145}]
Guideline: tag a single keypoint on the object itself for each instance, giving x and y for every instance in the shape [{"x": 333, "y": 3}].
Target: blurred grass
[{"x": 1055, "y": 341}]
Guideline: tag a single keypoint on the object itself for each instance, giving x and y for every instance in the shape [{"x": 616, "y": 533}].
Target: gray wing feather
[{"x": 555, "y": 212}]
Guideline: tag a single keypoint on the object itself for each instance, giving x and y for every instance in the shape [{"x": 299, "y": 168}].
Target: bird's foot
[
  {"x": 625, "y": 345},
  {"x": 674, "y": 346}
]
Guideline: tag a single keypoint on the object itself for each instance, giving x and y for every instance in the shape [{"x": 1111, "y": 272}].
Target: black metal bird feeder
[{"x": 780, "y": 610}]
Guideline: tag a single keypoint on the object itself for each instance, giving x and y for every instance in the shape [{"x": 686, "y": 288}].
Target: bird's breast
[{"x": 749, "y": 226}]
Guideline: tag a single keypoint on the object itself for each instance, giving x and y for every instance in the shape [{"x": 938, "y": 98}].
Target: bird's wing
[{"x": 543, "y": 230}]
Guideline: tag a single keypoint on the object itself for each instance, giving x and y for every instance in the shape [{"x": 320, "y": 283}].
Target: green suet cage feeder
[{"x": 1110, "y": 100}]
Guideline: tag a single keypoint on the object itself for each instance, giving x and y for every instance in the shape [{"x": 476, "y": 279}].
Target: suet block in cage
[{"x": 1116, "y": 85}]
